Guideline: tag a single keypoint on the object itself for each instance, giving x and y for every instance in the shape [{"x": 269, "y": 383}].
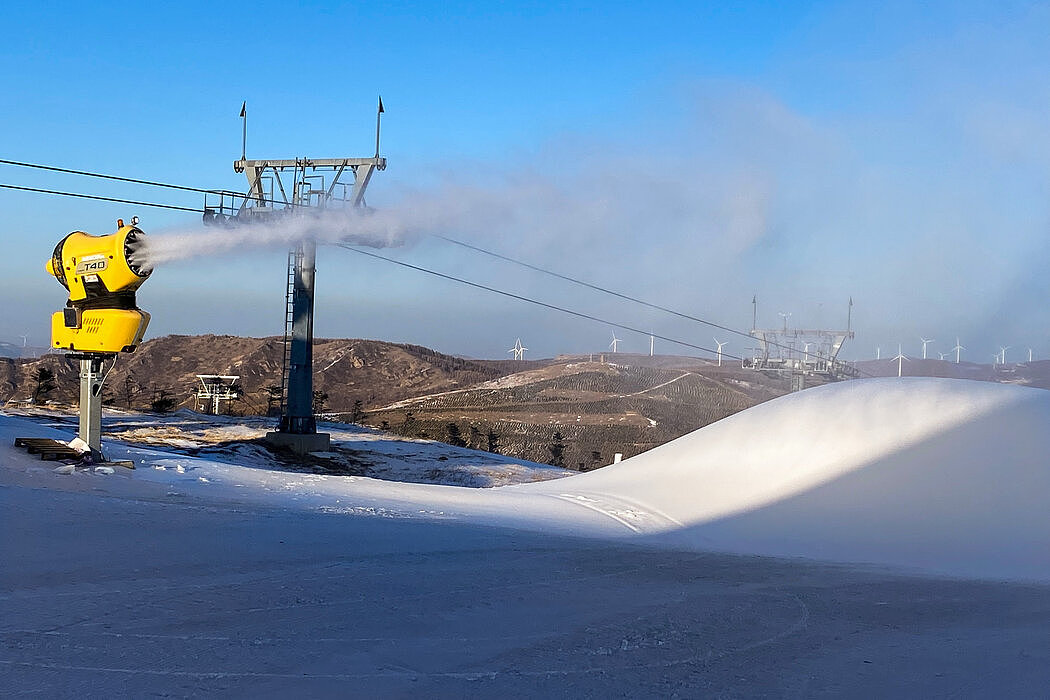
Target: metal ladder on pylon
[{"x": 294, "y": 257}]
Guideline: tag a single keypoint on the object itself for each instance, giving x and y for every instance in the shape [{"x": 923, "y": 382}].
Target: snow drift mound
[
  {"x": 949, "y": 476},
  {"x": 939, "y": 475}
]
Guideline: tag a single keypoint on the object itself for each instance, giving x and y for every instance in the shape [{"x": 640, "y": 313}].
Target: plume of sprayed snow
[
  {"x": 451, "y": 207},
  {"x": 597, "y": 205},
  {"x": 354, "y": 226},
  {"x": 745, "y": 196}
]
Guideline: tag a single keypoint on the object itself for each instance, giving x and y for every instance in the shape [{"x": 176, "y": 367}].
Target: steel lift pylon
[{"x": 270, "y": 196}]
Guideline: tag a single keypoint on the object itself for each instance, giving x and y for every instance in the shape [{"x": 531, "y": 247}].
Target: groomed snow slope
[
  {"x": 191, "y": 576},
  {"x": 949, "y": 476},
  {"x": 938, "y": 475}
]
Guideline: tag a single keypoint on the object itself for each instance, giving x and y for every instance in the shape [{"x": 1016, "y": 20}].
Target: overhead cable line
[
  {"x": 99, "y": 197},
  {"x": 136, "y": 181},
  {"x": 536, "y": 268},
  {"x": 103, "y": 176},
  {"x": 454, "y": 241},
  {"x": 588, "y": 285},
  {"x": 519, "y": 297},
  {"x": 620, "y": 295},
  {"x": 553, "y": 307}
]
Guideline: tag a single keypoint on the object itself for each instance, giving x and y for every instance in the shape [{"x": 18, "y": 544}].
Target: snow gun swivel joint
[{"x": 101, "y": 274}]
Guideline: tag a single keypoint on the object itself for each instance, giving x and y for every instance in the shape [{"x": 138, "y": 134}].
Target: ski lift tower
[
  {"x": 214, "y": 389},
  {"x": 292, "y": 187},
  {"x": 796, "y": 353}
]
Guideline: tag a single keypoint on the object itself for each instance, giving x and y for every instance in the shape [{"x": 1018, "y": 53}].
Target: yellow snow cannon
[{"x": 101, "y": 274}]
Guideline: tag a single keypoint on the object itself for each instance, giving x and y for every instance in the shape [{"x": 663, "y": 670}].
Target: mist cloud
[{"x": 932, "y": 216}]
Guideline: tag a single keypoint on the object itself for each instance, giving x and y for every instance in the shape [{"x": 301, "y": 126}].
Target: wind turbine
[
  {"x": 25, "y": 340},
  {"x": 785, "y": 316},
  {"x": 518, "y": 350},
  {"x": 944, "y": 354},
  {"x": 958, "y": 348},
  {"x": 720, "y": 346},
  {"x": 652, "y": 344},
  {"x": 900, "y": 358},
  {"x": 615, "y": 342},
  {"x": 1029, "y": 354},
  {"x": 805, "y": 350},
  {"x": 878, "y": 352},
  {"x": 925, "y": 342},
  {"x": 1003, "y": 350}
]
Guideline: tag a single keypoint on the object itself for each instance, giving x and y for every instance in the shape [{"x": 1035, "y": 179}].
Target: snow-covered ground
[
  {"x": 218, "y": 575},
  {"x": 936, "y": 475},
  {"x": 355, "y": 450}
]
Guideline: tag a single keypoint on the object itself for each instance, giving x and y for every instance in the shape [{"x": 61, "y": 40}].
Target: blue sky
[{"x": 694, "y": 154}]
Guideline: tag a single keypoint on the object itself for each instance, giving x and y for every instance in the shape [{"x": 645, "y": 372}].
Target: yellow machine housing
[
  {"x": 101, "y": 330},
  {"x": 101, "y": 274}
]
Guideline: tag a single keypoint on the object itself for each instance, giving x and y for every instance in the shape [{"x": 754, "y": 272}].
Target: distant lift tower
[
  {"x": 303, "y": 186},
  {"x": 797, "y": 353},
  {"x": 214, "y": 389}
]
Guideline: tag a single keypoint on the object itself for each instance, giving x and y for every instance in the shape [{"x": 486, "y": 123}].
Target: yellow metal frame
[{"x": 101, "y": 330}]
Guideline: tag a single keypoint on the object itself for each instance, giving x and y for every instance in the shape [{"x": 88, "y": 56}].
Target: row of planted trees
[
  {"x": 453, "y": 434},
  {"x": 44, "y": 381},
  {"x": 473, "y": 437}
]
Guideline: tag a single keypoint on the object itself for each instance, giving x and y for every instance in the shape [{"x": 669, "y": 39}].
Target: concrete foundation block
[{"x": 300, "y": 444}]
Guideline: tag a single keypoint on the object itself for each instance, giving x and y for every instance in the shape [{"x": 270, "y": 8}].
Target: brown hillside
[
  {"x": 371, "y": 371},
  {"x": 597, "y": 408},
  {"x": 576, "y": 411}
]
